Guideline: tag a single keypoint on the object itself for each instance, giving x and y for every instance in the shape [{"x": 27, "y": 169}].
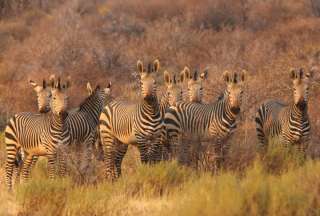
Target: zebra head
[
  {"x": 300, "y": 83},
  {"x": 234, "y": 89},
  {"x": 148, "y": 82},
  {"x": 195, "y": 84},
  {"x": 43, "y": 95},
  {"x": 174, "y": 88},
  {"x": 59, "y": 100},
  {"x": 105, "y": 92}
]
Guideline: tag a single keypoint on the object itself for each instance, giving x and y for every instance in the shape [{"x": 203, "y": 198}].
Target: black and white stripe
[
  {"x": 206, "y": 121},
  {"x": 137, "y": 123},
  {"x": 38, "y": 134},
  {"x": 289, "y": 123}
]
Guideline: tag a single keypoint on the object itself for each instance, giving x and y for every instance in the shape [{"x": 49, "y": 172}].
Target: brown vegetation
[{"x": 101, "y": 40}]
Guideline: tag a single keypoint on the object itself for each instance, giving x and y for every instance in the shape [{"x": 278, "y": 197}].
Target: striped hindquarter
[
  {"x": 207, "y": 121},
  {"x": 200, "y": 121},
  {"x": 288, "y": 123},
  {"x": 38, "y": 135},
  {"x": 82, "y": 124},
  {"x": 130, "y": 124}
]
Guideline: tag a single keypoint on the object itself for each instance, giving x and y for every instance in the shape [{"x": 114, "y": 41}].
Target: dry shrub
[{"x": 101, "y": 40}]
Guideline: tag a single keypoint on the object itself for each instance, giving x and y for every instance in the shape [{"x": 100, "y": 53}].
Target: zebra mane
[{"x": 90, "y": 98}]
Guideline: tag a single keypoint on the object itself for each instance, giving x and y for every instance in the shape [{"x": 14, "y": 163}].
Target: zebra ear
[
  {"x": 293, "y": 74},
  {"x": 58, "y": 84},
  {"x": 310, "y": 74},
  {"x": 156, "y": 65},
  {"x": 243, "y": 75},
  {"x": 204, "y": 74},
  {"x": 140, "y": 66},
  {"x": 109, "y": 85},
  {"x": 226, "y": 76},
  {"x": 52, "y": 78},
  {"x": 44, "y": 84},
  {"x": 185, "y": 74},
  {"x": 195, "y": 75},
  {"x": 167, "y": 78},
  {"x": 89, "y": 88},
  {"x": 68, "y": 83},
  {"x": 33, "y": 83},
  {"x": 174, "y": 79},
  {"x": 301, "y": 73}
]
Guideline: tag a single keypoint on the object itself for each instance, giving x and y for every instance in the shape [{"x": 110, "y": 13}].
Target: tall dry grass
[
  {"x": 101, "y": 40},
  {"x": 98, "y": 41}
]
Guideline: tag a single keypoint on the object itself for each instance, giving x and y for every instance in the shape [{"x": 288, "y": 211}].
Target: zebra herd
[{"x": 156, "y": 126}]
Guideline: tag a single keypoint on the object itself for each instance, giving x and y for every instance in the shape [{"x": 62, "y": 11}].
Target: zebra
[
  {"x": 172, "y": 95},
  {"x": 195, "y": 95},
  {"x": 207, "y": 121},
  {"x": 38, "y": 134},
  {"x": 43, "y": 93},
  {"x": 195, "y": 85},
  {"x": 83, "y": 121},
  {"x": 290, "y": 123},
  {"x": 132, "y": 123}
]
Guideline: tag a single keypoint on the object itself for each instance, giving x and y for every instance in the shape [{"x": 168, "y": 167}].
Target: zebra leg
[
  {"x": 196, "y": 153},
  {"x": 184, "y": 151},
  {"x": 108, "y": 142},
  {"x": 174, "y": 142},
  {"x": 88, "y": 145},
  {"x": 225, "y": 154},
  {"x": 301, "y": 152},
  {"x": 143, "y": 149},
  {"x": 218, "y": 156},
  {"x": 52, "y": 159},
  {"x": 19, "y": 169},
  {"x": 62, "y": 164},
  {"x": 26, "y": 168},
  {"x": 10, "y": 163},
  {"x": 155, "y": 150},
  {"x": 120, "y": 151}
]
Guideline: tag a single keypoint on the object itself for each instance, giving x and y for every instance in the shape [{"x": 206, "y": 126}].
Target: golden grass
[
  {"x": 101, "y": 41},
  {"x": 169, "y": 189}
]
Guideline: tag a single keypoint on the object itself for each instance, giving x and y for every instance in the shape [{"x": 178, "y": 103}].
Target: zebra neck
[
  {"x": 164, "y": 102},
  {"x": 151, "y": 105},
  {"x": 298, "y": 112},
  {"x": 92, "y": 106},
  {"x": 57, "y": 122},
  {"x": 229, "y": 113}
]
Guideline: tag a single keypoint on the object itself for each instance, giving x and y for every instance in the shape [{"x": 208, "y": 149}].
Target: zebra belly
[
  {"x": 40, "y": 151},
  {"x": 131, "y": 139}
]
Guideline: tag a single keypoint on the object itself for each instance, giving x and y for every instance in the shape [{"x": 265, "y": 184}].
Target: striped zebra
[
  {"x": 195, "y": 95},
  {"x": 82, "y": 122},
  {"x": 195, "y": 84},
  {"x": 290, "y": 123},
  {"x": 43, "y": 93},
  {"x": 38, "y": 134},
  {"x": 172, "y": 96},
  {"x": 207, "y": 121},
  {"x": 132, "y": 123}
]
